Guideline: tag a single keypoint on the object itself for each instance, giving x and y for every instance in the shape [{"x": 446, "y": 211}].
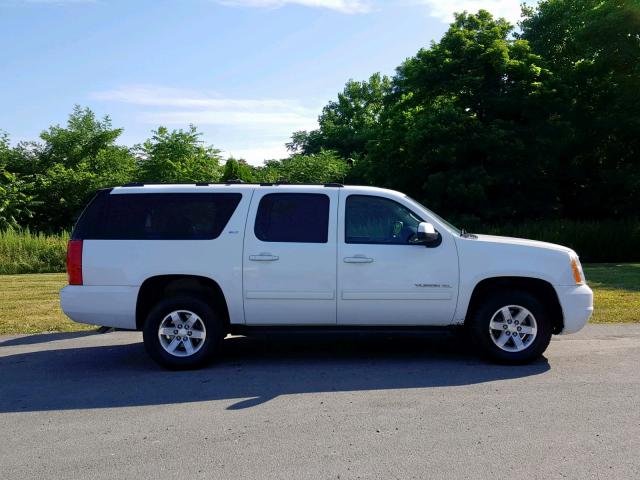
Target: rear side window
[
  {"x": 157, "y": 216},
  {"x": 293, "y": 217},
  {"x": 92, "y": 218}
]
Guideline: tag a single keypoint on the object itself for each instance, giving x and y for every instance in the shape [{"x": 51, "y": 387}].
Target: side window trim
[{"x": 346, "y": 206}]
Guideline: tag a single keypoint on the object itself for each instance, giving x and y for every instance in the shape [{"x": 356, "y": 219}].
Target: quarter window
[
  {"x": 157, "y": 216},
  {"x": 293, "y": 217},
  {"x": 378, "y": 220}
]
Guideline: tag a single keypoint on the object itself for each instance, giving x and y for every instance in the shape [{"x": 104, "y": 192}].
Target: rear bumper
[
  {"x": 107, "y": 306},
  {"x": 577, "y": 306}
]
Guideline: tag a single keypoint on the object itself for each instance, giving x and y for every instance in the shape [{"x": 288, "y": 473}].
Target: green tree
[
  {"x": 593, "y": 47},
  {"x": 237, "y": 170},
  {"x": 323, "y": 167},
  {"x": 15, "y": 202},
  {"x": 458, "y": 130},
  {"x": 23, "y": 159},
  {"x": 5, "y": 149},
  {"x": 83, "y": 138},
  {"x": 70, "y": 164},
  {"x": 177, "y": 156},
  {"x": 349, "y": 123}
]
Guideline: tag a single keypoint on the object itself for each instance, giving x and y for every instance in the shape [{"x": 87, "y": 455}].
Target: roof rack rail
[{"x": 235, "y": 181}]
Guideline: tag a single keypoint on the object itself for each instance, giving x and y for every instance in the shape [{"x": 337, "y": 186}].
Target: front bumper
[
  {"x": 577, "y": 306},
  {"x": 107, "y": 306}
]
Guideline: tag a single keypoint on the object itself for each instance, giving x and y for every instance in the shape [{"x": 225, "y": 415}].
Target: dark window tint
[
  {"x": 293, "y": 217},
  {"x": 158, "y": 216},
  {"x": 370, "y": 219},
  {"x": 92, "y": 218}
]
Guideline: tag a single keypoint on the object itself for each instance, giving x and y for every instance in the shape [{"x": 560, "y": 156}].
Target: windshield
[{"x": 455, "y": 229}]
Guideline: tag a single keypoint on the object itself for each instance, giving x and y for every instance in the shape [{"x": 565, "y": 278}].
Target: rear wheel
[
  {"x": 511, "y": 327},
  {"x": 182, "y": 332}
]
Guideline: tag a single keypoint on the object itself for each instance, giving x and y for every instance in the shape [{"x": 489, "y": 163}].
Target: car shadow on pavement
[
  {"x": 251, "y": 371},
  {"x": 45, "y": 338}
]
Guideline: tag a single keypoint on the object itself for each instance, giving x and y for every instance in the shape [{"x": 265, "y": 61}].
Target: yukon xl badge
[{"x": 432, "y": 285}]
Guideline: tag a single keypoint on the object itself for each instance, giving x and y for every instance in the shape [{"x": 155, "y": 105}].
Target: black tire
[
  {"x": 482, "y": 337},
  {"x": 215, "y": 332}
]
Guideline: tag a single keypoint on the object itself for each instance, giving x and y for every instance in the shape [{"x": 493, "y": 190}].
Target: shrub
[
  {"x": 593, "y": 240},
  {"x": 24, "y": 252}
]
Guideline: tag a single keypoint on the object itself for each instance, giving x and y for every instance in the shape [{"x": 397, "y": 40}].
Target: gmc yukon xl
[{"x": 189, "y": 264}]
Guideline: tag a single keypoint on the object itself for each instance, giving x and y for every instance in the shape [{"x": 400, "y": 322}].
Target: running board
[{"x": 329, "y": 330}]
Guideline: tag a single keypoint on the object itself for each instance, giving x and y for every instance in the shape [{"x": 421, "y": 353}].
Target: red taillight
[{"x": 74, "y": 262}]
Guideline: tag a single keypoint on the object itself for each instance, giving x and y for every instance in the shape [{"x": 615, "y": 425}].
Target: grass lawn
[
  {"x": 29, "y": 303},
  {"x": 616, "y": 290}
]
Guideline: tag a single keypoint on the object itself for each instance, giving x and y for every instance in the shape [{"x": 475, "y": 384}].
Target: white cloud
[
  {"x": 201, "y": 108},
  {"x": 344, "y": 6},
  {"x": 444, "y": 9},
  {"x": 441, "y": 9},
  {"x": 159, "y": 96},
  {"x": 273, "y": 120},
  {"x": 257, "y": 129},
  {"x": 257, "y": 155}
]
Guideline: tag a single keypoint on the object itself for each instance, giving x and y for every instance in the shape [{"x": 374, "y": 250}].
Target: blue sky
[{"x": 246, "y": 72}]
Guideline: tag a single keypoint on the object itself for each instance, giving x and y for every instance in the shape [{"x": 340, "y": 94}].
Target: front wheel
[
  {"x": 182, "y": 332},
  {"x": 511, "y": 327}
]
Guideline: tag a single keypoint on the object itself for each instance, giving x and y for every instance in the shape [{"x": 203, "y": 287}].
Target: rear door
[{"x": 289, "y": 260}]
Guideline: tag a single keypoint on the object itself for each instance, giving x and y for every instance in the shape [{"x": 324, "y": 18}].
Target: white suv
[{"x": 189, "y": 264}]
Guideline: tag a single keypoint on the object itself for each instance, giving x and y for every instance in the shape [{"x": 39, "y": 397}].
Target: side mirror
[{"x": 427, "y": 235}]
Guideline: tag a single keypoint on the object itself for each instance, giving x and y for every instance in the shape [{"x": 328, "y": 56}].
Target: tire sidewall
[
  {"x": 481, "y": 336},
  {"x": 208, "y": 316}
]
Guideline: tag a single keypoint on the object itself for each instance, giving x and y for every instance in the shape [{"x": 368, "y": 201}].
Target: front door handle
[
  {"x": 264, "y": 257},
  {"x": 358, "y": 259}
]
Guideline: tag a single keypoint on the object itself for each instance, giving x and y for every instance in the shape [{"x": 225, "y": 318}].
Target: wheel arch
[
  {"x": 539, "y": 287},
  {"x": 155, "y": 288}
]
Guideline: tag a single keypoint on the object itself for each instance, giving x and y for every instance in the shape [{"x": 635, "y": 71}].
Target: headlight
[{"x": 576, "y": 269}]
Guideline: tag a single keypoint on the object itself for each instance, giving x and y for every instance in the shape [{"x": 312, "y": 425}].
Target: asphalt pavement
[{"x": 94, "y": 406}]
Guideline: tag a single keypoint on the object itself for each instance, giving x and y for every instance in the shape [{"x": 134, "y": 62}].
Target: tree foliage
[
  {"x": 177, "y": 156},
  {"x": 237, "y": 170},
  {"x": 593, "y": 48},
  {"x": 456, "y": 130},
  {"x": 323, "y": 167},
  {"x": 70, "y": 164},
  {"x": 15, "y": 203},
  {"x": 349, "y": 123}
]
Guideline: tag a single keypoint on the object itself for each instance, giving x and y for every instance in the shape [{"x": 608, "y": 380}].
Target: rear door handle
[
  {"x": 264, "y": 257},
  {"x": 358, "y": 259}
]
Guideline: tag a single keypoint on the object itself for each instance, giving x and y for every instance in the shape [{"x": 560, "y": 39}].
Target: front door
[
  {"x": 384, "y": 276},
  {"x": 289, "y": 260}
]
